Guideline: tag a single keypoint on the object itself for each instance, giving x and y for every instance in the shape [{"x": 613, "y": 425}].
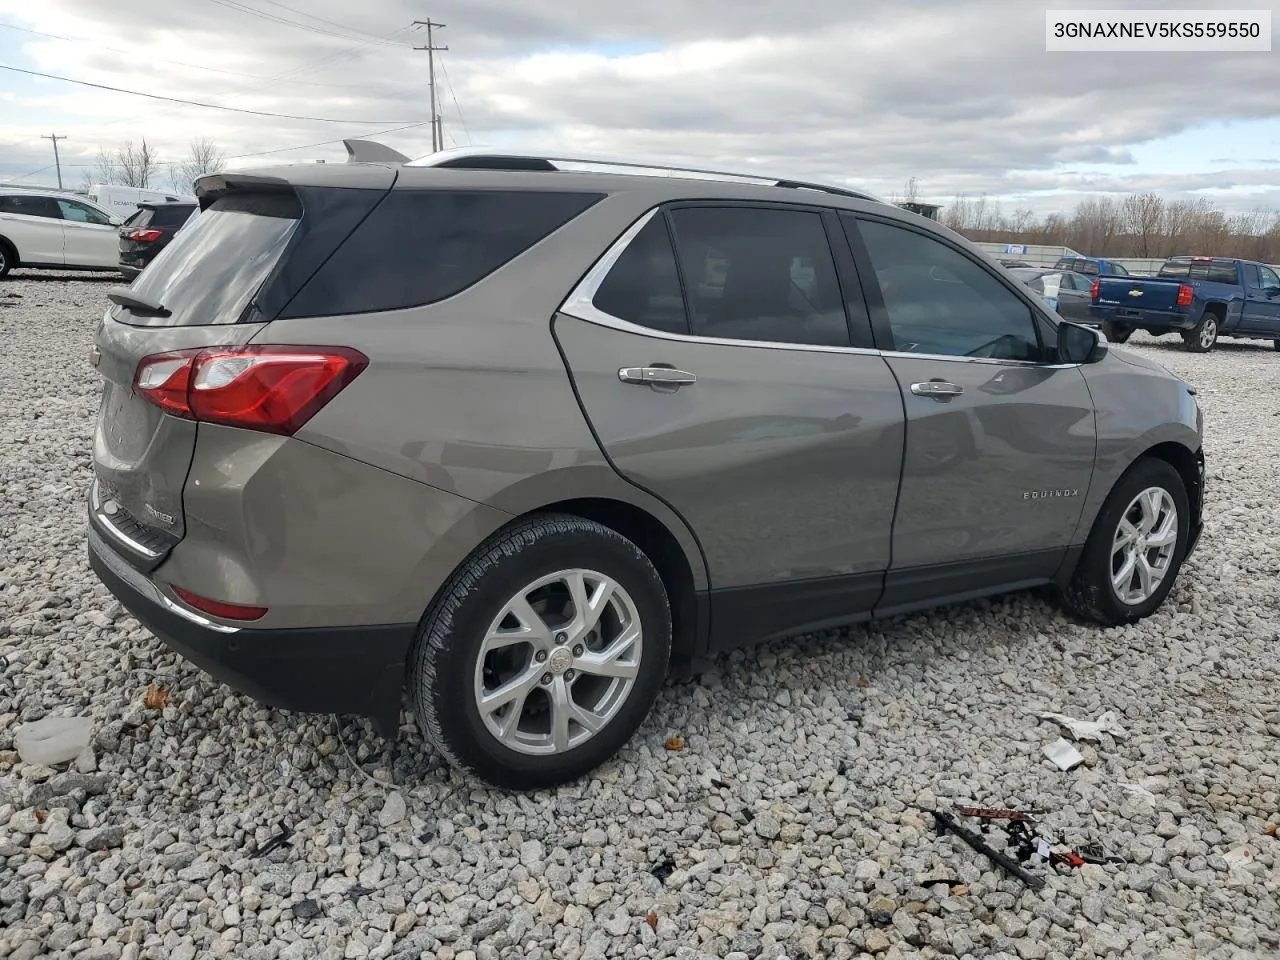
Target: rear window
[
  {"x": 422, "y": 246},
  {"x": 169, "y": 216},
  {"x": 1118, "y": 270},
  {"x": 1214, "y": 271},
  {"x": 211, "y": 271}
]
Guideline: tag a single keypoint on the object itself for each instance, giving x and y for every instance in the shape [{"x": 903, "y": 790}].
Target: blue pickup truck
[{"x": 1201, "y": 298}]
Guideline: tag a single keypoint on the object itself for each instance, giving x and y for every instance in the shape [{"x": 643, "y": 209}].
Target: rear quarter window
[{"x": 422, "y": 246}]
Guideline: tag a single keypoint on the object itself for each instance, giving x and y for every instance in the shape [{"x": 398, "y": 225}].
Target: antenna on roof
[{"x": 369, "y": 151}]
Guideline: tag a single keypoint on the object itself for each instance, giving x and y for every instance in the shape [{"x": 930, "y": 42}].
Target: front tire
[
  {"x": 1275, "y": 344},
  {"x": 1135, "y": 549},
  {"x": 8, "y": 259},
  {"x": 1202, "y": 337},
  {"x": 543, "y": 653},
  {"x": 1116, "y": 332}
]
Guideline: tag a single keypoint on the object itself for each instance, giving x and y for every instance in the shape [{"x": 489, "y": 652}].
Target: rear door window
[
  {"x": 422, "y": 246},
  {"x": 31, "y": 207},
  {"x": 210, "y": 272},
  {"x": 756, "y": 273}
]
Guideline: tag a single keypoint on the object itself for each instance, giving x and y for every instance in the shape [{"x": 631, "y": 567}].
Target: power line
[
  {"x": 325, "y": 143},
  {"x": 190, "y": 103},
  {"x": 332, "y": 23},
  {"x": 272, "y": 18},
  {"x": 177, "y": 63},
  {"x": 454, "y": 97}
]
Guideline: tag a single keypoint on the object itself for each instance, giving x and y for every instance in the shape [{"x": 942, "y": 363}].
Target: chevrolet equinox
[{"x": 520, "y": 436}]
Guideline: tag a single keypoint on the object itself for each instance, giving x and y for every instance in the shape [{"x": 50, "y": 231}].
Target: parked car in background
[
  {"x": 1092, "y": 266},
  {"x": 124, "y": 201},
  {"x": 523, "y": 439},
  {"x": 1200, "y": 298},
  {"x": 1066, "y": 292},
  {"x": 149, "y": 231},
  {"x": 54, "y": 231},
  {"x": 1016, "y": 263}
]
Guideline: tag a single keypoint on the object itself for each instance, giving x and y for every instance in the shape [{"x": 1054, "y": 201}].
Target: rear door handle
[
  {"x": 937, "y": 389},
  {"x": 660, "y": 376}
]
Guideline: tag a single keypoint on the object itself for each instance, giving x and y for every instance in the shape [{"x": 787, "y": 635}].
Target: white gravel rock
[{"x": 802, "y": 842}]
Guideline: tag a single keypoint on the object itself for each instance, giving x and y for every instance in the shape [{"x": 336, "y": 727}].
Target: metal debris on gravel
[{"x": 808, "y": 841}]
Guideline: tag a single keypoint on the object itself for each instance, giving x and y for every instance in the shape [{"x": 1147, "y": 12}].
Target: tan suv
[{"x": 517, "y": 438}]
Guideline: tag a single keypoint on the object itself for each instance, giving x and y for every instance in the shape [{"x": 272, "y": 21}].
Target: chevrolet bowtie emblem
[{"x": 1135, "y": 292}]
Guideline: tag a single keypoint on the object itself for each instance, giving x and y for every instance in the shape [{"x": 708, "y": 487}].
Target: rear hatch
[
  {"x": 217, "y": 284},
  {"x": 1134, "y": 294}
]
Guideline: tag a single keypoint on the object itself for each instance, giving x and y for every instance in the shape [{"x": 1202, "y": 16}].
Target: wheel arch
[
  {"x": 11, "y": 248},
  {"x": 665, "y": 552},
  {"x": 1188, "y": 462}
]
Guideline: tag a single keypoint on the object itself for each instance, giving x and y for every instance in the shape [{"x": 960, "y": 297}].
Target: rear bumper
[
  {"x": 349, "y": 670},
  {"x": 1141, "y": 319}
]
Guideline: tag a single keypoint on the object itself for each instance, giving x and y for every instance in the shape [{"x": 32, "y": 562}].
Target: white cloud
[{"x": 961, "y": 95}]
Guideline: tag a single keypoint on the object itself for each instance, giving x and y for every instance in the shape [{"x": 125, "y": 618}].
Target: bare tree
[
  {"x": 138, "y": 164},
  {"x": 104, "y": 170},
  {"x": 203, "y": 157},
  {"x": 1142, "y": 225},
  {"x": 912, "y": 192}
]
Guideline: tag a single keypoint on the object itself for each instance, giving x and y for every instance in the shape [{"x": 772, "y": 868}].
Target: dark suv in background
[
  {"x": 520, "y": 438},
  {"x": 149, "y": 231}
]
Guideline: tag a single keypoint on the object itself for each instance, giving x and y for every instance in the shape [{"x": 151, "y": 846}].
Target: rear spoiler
[
  {"x": 369, "y": 151},
  {"x": 214, "y": 185}
]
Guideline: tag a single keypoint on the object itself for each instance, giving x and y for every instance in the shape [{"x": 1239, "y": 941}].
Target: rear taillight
[
  {"x": 1185, "y": 295},
  {"x": 146, "y": 236},
  {"x": 273, "y": 389},
  {"x": 1093, "y": 290},
  {"x": 219, "y": 608}
]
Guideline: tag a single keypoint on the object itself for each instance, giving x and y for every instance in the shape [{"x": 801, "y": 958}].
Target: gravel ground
[{"x": 786, "y": 826}]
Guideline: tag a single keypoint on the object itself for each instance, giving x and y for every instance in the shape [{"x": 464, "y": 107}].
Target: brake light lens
[
  {"x": 1185, "y": 295},
  {"x": 218, "y": 608},
  {"x": 146, "y": 236},
  {"x": 1093, "y": 290},
  {"x": 269, "y": 388}
]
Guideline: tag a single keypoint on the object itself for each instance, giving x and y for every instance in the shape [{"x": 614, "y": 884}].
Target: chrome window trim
[{"x": 579, "y": 305}]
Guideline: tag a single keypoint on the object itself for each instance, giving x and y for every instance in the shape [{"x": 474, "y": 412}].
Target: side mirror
[{"x": 1080, "y": 344}]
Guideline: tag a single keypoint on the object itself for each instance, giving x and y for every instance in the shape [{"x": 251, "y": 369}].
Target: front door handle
[
  {"x": 658, "y": 376},
  {"x": 937, "y": 389}
]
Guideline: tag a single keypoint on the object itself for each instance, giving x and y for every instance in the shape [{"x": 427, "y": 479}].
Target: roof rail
[{"x": 477, "y": 158}]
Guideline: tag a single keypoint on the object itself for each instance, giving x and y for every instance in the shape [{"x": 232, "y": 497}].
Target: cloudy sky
[{"x": 961, "y": 95}]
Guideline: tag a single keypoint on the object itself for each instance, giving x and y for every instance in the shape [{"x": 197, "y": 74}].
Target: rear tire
[
  {"x": 1275, "y": 344},
  {"x": 1094, "y": 593},
  {"x": 511, "y": 683},
  {"x": 1202, "y": 337},
  {"x": 1116, "y": 332}
]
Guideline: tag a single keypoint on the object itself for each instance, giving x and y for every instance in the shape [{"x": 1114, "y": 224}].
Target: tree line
[
  {"x": 138, "y": 165},
  {"x": 1139, "y": 225}
]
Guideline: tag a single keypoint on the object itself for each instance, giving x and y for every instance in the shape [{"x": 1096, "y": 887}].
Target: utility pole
[
  {"x": 437, "y": 128},
  {"x": 55, "y": 137}
]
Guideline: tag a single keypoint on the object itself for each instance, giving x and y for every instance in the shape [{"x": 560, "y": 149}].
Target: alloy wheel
[
  {"x": 1142, "y": 549},
  {"x": 558, "y": 663}
]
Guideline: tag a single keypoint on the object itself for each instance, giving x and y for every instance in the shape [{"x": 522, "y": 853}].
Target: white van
[{"x": 123, "y": 201}]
